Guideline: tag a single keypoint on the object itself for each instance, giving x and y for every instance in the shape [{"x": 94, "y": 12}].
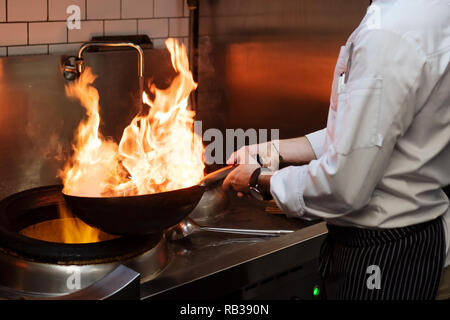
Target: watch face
[{"x": 256, "y": 194}]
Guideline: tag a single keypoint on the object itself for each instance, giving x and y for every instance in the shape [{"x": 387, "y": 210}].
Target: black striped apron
[{"x": 400, "y": 263}]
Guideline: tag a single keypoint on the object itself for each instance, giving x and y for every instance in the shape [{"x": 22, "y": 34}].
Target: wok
[{"x": 142, "y": 214}]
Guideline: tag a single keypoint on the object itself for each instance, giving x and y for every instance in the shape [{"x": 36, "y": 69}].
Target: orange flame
[
  {"x": 66, "y": 229},
  {"x": 157, "y": 152}
]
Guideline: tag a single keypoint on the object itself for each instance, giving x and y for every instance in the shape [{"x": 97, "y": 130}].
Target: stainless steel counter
[
  {"x": 204, "y": 265},
  {"x": 209, "y": 265}
]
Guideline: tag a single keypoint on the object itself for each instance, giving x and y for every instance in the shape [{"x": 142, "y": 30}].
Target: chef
[{"x": 375, "y": 173}]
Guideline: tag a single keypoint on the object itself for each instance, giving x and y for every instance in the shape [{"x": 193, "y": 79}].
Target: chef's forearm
[{"x": 296, "y": 151}]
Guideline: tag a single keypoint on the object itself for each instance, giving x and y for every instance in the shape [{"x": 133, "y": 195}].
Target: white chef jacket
[{"x": 385, "y": 154}]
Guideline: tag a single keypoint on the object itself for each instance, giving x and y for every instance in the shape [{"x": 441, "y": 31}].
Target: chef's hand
[
  {"x": 239, "y": 179},
  {"x": 246, "y": 155}
]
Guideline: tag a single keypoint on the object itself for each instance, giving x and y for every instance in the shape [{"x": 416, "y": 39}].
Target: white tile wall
[
  {"x": 39, "y": 26},
  {"x": 57, "y": 9},
  {"x": 137, "y": 8},
  {"x": 103, "y": 9},
  {"x": 26, "y": 50},
  {"x": 47, "y": 32},
  {"x": 120, "y": 27},
  {"x": 88, "y": 30},
  {"x": 159, "y": 43},
  {"x": 2, "y": 10},
  {"x": 154, "y": 28},
  {"x": 71, "y": 48},
  {"x": 169, "y": 8},
  {"x": 178, "y": 27},
  {"x": 13, "y": 34},
  {"x": 186, "y": 9},
  {"x": 27, "y": 10}
]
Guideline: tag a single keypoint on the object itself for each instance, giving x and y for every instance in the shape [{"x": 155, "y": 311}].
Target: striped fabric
[{"x": 400, "y": 263}]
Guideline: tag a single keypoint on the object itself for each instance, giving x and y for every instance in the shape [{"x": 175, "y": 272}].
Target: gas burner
[{"x": 35, "y": 267}]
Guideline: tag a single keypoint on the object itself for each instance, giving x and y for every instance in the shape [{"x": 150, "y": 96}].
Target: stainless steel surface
[
  {"x": 140, "y": 61},
  {"x": 72, "y": 68},
  {"x": 211, "y": 206},
  {"x": 122, "y": 283},
  {"x": 112, "y": 44},
  {"x": 188, "y": 226},
  {"x": 78, "y": 67},
  {"x": 211, "y": 262},
  {"x": 226, "y": 261},
  {"x": 217, "y": 176},
  {"x": 250, "y": 232},
  {"x": 31, "y": 278}
]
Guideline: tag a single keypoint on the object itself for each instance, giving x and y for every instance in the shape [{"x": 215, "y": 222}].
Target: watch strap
[{"x": 253, "y": 181}]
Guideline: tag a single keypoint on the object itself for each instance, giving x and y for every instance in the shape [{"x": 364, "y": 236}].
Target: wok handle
[
  {"x": 253, "y": 232},
  {"x": 216, "y": 176}
]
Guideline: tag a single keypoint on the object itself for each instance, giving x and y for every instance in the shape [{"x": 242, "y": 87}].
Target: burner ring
[{"x": 40, "y": 204}]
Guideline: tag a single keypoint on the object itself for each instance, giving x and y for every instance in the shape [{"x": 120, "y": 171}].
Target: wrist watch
[{"x": 255, "y": 189}]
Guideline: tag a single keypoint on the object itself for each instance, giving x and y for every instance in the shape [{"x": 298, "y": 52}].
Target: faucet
[{"x": 74, "y": 66}]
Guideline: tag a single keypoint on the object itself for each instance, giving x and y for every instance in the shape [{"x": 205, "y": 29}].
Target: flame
[
  {"x": 157, "y": 152},
  {"x": 74, "y": 230},
  {"x": 66, "y": 229}
]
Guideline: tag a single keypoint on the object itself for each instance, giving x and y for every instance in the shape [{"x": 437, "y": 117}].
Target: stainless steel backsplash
[
  {"x": 38, "y": 121},
  {"x": 269, "y": 64}
]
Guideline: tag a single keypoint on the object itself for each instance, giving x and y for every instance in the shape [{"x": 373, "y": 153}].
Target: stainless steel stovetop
[{"x": 203, "y": 265}]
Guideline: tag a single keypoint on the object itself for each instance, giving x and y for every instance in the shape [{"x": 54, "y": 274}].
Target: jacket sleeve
[
  {"x": 375, "y": 106},
  {"x": 317, "y": 141}
]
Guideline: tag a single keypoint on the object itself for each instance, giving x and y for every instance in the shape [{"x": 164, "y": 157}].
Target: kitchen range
[
  {"x": 48, "y": 252},
  {"x": 203, "y": 265},
  {"x": 74, "y": 149}
]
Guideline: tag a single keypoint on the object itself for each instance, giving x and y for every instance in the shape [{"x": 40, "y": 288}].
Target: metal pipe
[
  {"x": 193, "y": 44},
  {"x": 118, "y": 44},
  {"x": 192, "y": 5}
]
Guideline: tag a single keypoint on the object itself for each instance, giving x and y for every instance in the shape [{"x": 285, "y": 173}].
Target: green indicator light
[{"x": 316, "y": 291}]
